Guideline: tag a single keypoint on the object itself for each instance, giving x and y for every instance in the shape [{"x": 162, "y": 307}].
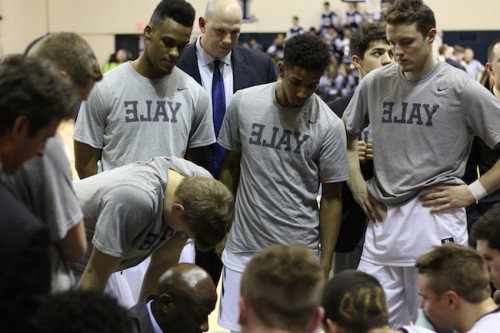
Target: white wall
[{"x": 98, "y": 20}]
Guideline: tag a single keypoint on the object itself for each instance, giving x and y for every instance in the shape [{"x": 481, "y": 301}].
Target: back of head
[
  {"x": 307, "y": 52},
  {"x": 83, "y": 311},
  {"x": 491, "y": 53},
  {"x": 69, "y": 52},
  {"x": 363, "y": 36},
  {"x": 208, "y": 209},
  {"x": 283, "y": 286},
  {"x": 457, "y": 268},
  {"x": 488, "y": 227},
  {"x": 178, "y": 10},
  {"x": 33, "y": 88},
  {"x": 355, "y": 301},
  {"x": 409, "y": 12}
]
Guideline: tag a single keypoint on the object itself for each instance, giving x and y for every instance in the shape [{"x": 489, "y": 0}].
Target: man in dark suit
[
  {"x": 34, "y": 101},
  {"x": 240, "y": 68},
  {"x": 185, "y": 297}
]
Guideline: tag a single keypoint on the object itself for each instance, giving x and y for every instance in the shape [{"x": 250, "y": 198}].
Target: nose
[
  {"x": 227, "y": 38},
  {"x": 204, "y": 326},
  {"x": 302, "y": 93},
  {"x": 174, "y": 53},
  {"x": 386, "y": 59}
]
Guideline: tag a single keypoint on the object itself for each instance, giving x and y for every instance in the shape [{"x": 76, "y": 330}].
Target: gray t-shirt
[
  {"x": 133, "y": 118},
  {"x": 123, "y": 208},
  {"x": 421, "y": 130},
  {"x": 44, "y": 185},
  {"x": 285, "y": 155}
]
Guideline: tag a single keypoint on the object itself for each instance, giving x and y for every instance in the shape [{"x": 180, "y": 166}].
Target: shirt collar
[
  {"x": 156, "y": 327},
  {"x": 205, "y": 59},
  {"x": 496, "y": 92}
]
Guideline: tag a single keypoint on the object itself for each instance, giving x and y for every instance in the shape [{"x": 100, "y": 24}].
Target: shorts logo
[{"x": 447, "y": 240}]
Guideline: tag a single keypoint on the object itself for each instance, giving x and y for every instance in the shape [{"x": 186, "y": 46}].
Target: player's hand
[
  {"x": 444, "y": 197},
  {"x": 361, "y": 151},
  {"x": 371, "y": 206},
  {"x": 369, "y": 150}
]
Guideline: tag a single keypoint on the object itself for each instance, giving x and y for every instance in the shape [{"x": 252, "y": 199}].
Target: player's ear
[{"x": 177, "y": 208}]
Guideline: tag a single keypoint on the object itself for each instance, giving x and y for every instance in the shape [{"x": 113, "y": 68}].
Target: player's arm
[
  {"x": 329, "y": 223},
  {"x": 98, "y": 270},
  {"x": 229, "y": 173},
  {"x": 357, "y": 183},
  {"x": 164, "y": 257},
  {"x": 86, "y": 158},
  {"x": 448, "y": 196},
  {"x": 74, "y": 245},
  {"x": 195, "y": 155}
]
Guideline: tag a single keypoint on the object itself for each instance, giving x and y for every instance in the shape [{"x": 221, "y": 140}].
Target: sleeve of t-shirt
[
  {"x": 123, "y": 213},
  {"x": 202, "y": 130},
  {"x": 63, "y": 210},
  {"x": 91, "y": 121},
  {"x": 356, "y": 113},
  {"x": 482, "y": 112},
  {"x": 333, "y": 157},
  {"x": 229, "y": 136}
]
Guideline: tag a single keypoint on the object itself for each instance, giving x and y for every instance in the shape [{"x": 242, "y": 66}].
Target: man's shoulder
[{"x": 241, "y": 52}]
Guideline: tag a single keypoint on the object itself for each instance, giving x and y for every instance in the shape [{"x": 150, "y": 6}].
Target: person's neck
[
  {"x": 473, "y": 312},
  {"x": 496, "y": 91},
  {"x": 417, "y": 74},
  {"x": 174, "y": 179},
  {"x": 144, "y": 67}
]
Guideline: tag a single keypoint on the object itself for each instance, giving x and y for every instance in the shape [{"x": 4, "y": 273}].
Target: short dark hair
[
  {"x": 307, "y": 52},
  {"x": 490, "y": 49},
  {"x": 458, "y": 268},
  {"x": 33, "y": 88},
  {"x": 83, "y": 311},
  {"x": 355, "y": 301},
  {"x": 363, "y": 36},
  {"x": 412, "y": 11},
  {"x": 178, "y": 10},
  {"x": 488, "y": 227}
]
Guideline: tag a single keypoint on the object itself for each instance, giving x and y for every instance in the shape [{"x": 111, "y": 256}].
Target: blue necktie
[{"x": 219, "y": 110}]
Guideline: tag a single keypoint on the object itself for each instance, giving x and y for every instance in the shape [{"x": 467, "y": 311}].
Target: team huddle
[{"x": 207, "y": 160}]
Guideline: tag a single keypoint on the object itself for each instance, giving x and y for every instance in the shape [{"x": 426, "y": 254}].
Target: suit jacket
[
  {"x": 25, "y": 272},
  {"x": 250, "y": 67},
  {"x": 140, "y": 318}
]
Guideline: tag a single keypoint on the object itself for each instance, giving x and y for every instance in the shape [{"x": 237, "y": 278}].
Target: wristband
[{"x": 477, "y": 190}]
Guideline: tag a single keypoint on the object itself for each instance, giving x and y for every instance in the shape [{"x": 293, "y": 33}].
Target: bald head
[
  {"x": 184, "y": 298},
  {"x": 230, "y": 9},
  {"x": 184, "y": 276},
  {"x": 221, "y": 27}
]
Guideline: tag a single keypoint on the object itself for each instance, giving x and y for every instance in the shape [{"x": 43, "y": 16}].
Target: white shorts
[
  {"x": 229, "y": 308},
  {"x": 400, "y": 286},
  {"x": 410, "y": 230}
]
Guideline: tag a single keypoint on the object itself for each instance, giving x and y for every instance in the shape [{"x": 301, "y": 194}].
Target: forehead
[
  {"x": 168, "y": 28},
  {"x": 401, "y": 30},
  {"x": 378, "y": 44},
  {"x": 496, "y": 51},
  {"x": 297, "y": 73}
]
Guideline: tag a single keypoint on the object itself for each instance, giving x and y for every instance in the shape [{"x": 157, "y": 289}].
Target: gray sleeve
[
  {"x": 482, "y": 112},
  {"x": 356, "y": 113},
  {"x": 91, "y": 121},
  {"x": 333, "y": 156},
  {"x": 229, "y": 136},
  {"x": 202, "y": 130}
]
